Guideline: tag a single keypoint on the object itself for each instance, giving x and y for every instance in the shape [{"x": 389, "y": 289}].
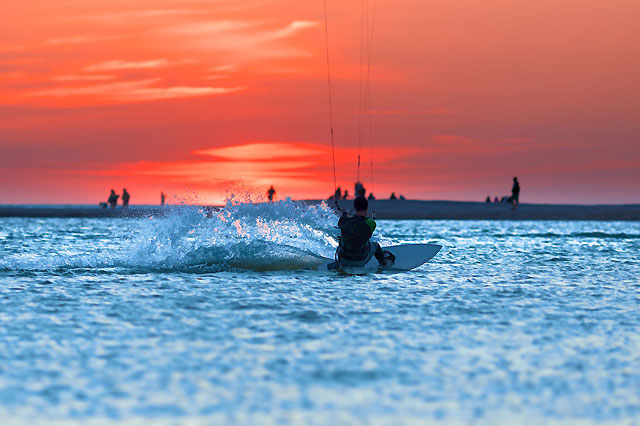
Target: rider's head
[{"x": 361, "y": 205}]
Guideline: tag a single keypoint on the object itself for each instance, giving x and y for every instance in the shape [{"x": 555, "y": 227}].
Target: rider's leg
[{"x": 378, "y": 253}]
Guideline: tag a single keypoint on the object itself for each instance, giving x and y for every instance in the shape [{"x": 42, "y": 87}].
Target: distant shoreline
[{"x": 384, "y": 209}]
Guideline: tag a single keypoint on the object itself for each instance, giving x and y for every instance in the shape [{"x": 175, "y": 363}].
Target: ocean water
[{"x": 189, "y": 319}]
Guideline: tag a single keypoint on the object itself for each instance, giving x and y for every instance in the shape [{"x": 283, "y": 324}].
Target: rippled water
[{"x": 208, "y": 320}]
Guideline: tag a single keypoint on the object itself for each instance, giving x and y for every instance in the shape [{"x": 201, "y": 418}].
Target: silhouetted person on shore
[
  {"x": 125, "y": 198},
  {"x": 113, "y": 199},
  {"x": 346, "y": 195},
  {"x": 338, "y": 194},
  {"x": 495, "y": 200},
  {"x": 359, "y": 190},
  {"x": 270, "y": 193},
  {"x": 162, "y": 198},
  {"x": 515, "y": 193},
  {"x": 488, "y": 200},
  {"x": 393, "y": 196},
  {"x": 371, "y": 196},
  {"x": 402, "y": 197}
]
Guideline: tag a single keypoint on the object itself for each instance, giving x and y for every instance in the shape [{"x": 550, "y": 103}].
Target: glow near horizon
[{"x": 152, "y": 95}]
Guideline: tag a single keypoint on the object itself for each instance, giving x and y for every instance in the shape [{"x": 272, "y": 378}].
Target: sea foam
[{"x": 254, "y": 236}]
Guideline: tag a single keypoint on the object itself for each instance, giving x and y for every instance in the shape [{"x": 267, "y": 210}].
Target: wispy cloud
[
  {"x": 264, "y": 151},
  {"x": 74, "y": 77},
  {"x": 226, "y": 26},
  {"x": 212, "y": 27},
  {"x": 232, "y": 29},
  {"x": 223, "y": 68},
  {"x": 246, "y": 39},
  {"x": 123, "y": 65},
  {"x": 292, "y": 29},
  {"x": 79, "y": 39},
  {"x": 134, "y": 16},
  {"x": 130, "y": 91},
  {"x": 152, "y": 13}
]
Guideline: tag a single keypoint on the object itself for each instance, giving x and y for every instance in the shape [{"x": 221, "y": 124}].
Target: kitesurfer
[{"x": 355, "y": 249}]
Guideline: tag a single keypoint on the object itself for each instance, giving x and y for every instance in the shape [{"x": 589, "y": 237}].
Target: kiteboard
[{"x": 407, "y": 257}]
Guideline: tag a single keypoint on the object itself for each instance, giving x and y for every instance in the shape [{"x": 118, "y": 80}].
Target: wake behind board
[{"x": 408, "y": 256}]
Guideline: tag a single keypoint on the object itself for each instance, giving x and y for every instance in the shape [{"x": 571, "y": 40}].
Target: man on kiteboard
[{"x": 355, "y": 249}]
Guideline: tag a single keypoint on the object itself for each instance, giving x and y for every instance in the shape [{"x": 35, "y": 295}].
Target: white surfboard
[{"x": 408, "y": 256}]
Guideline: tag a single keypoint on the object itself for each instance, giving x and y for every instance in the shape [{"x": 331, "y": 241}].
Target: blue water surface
[{"x": 214, "y": 320}]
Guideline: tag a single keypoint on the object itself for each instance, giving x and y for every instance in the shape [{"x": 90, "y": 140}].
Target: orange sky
[{"x": 201, "y": 99}]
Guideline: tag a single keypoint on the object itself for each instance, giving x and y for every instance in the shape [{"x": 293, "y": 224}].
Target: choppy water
[{"x": 206, "y": 320}]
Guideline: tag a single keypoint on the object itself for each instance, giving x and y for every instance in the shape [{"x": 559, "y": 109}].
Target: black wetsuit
[{"x": 354, "y": 242}]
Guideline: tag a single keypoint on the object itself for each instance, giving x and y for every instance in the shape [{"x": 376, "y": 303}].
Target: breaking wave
[{"x": 265, "y": 236}]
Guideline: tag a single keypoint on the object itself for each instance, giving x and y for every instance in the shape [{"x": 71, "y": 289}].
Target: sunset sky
[{"x": 202, "y": 99}]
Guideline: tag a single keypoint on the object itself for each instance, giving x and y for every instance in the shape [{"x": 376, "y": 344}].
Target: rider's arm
[
  {"x": 371, "y": 223},
  {"x": 343, "y": 219}
]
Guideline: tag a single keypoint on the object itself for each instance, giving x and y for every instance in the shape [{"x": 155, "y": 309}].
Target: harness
[
  {"x": 353, "y": 243},
  {"x": 343, "y": 260}
]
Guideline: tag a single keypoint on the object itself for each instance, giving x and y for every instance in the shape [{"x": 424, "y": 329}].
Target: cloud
[
  {"x": 140, "y": 90},
  {"x": 74, "y": 77},
  {"x": 134, "y": 16},
  {"x": 151, "y": 13},
  {"x": 293, "y": 28},
  {"x": 212, "y": 27},
  {"x": 205, "y": 171},
  {"x": 245, "y": 39},
  {"x": 223, "y": 68},
  {"x": 225, "y": 26},
  {"x": 124, "y": 65},
  {"x": 79, "y": 39},
  {"x": 264, "y": 151}
]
